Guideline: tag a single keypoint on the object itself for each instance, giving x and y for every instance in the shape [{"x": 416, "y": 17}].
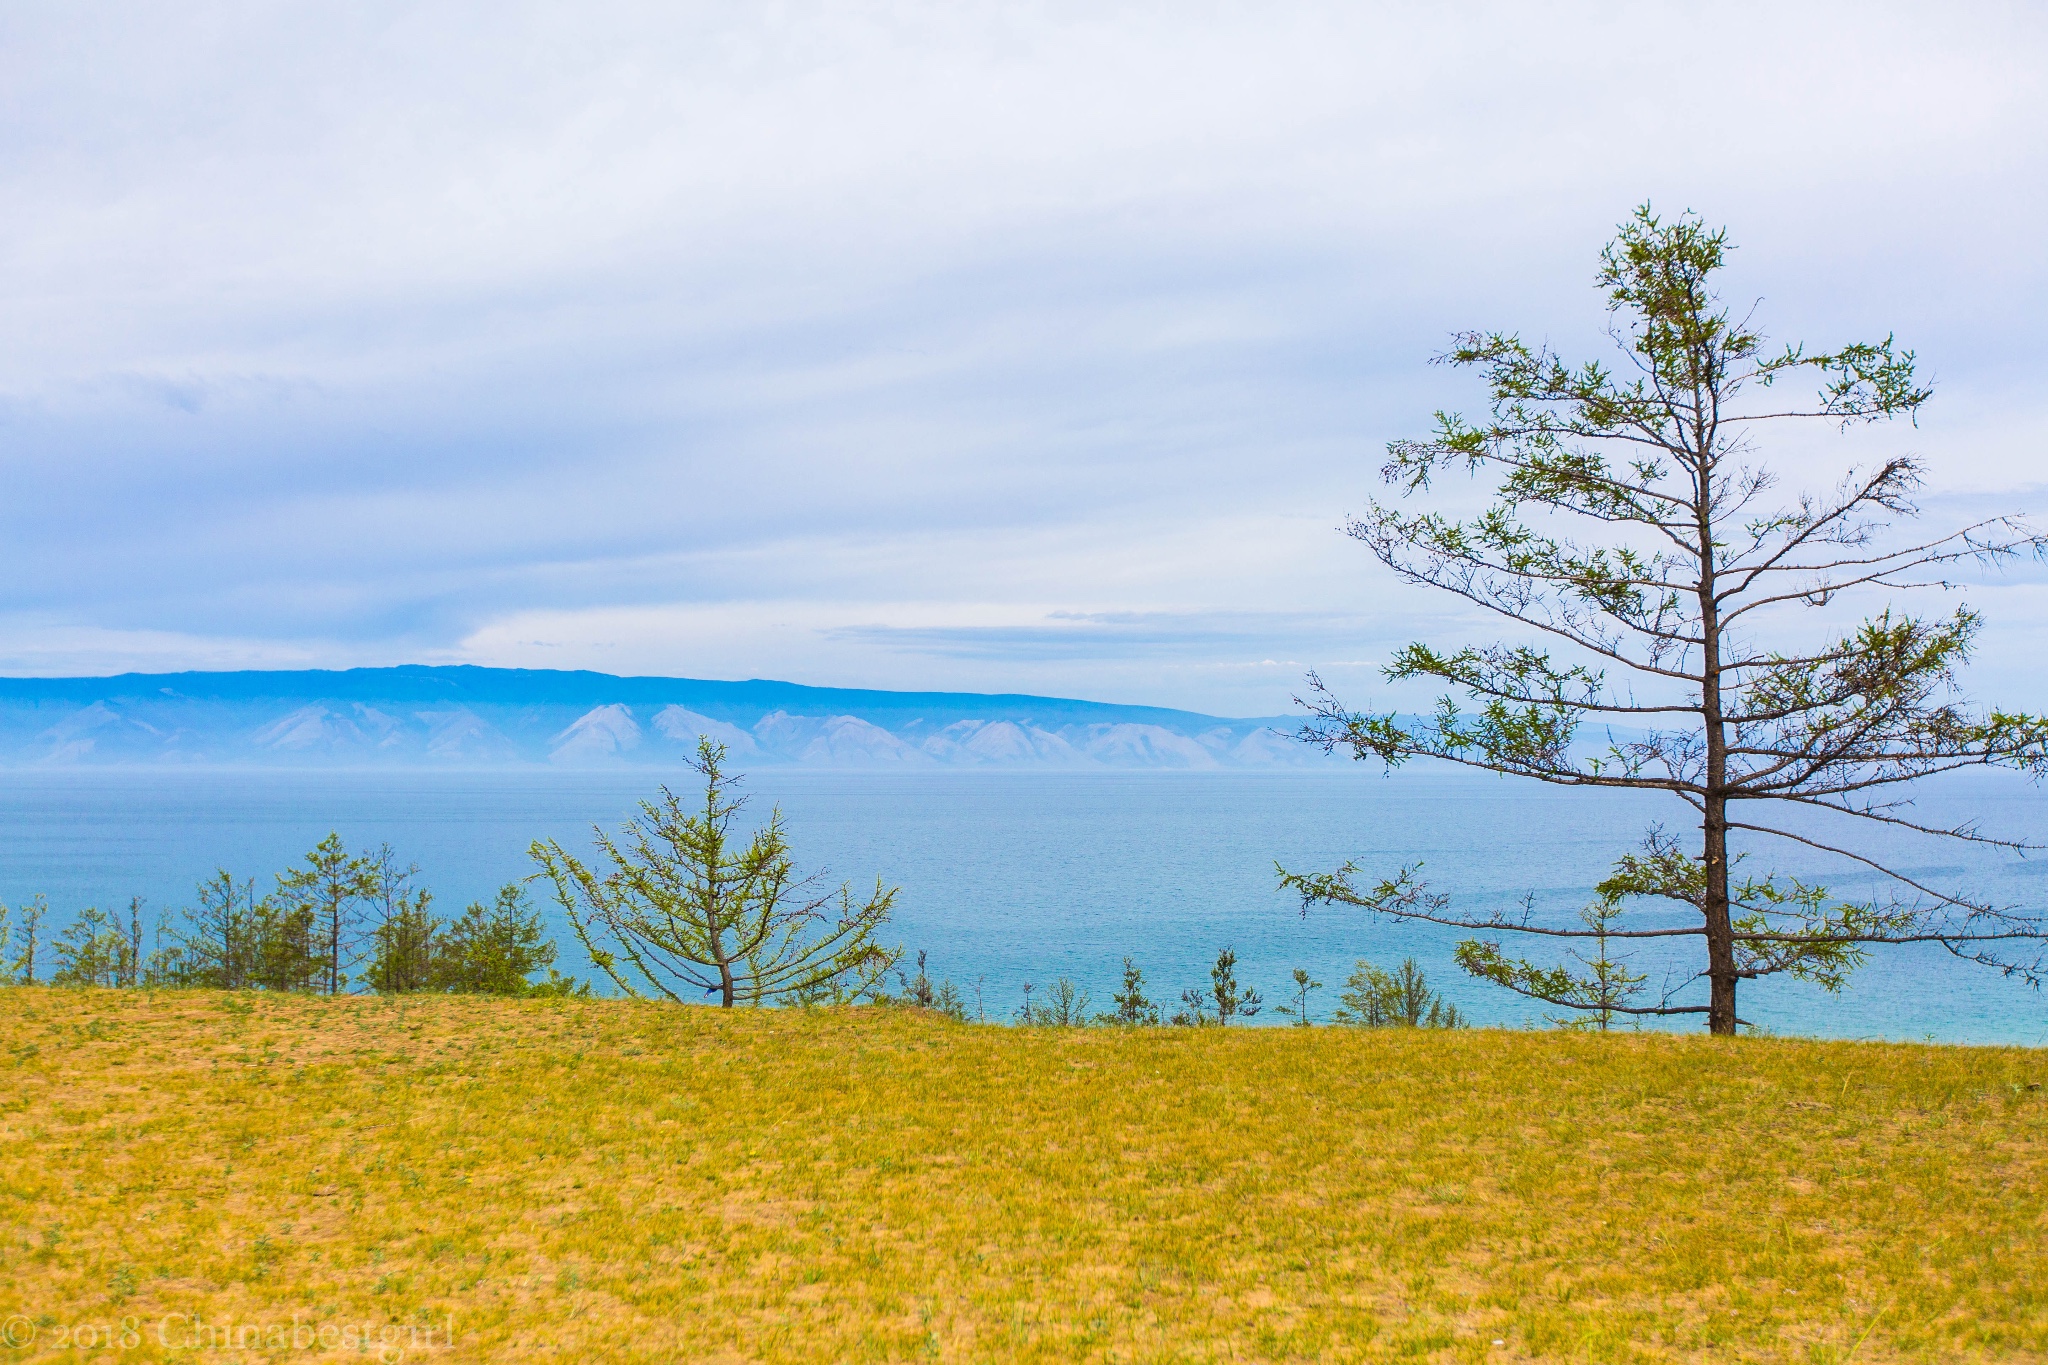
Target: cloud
[
  {"x": 386, "y": 332},
  {"x": 1071, "y": 634}
]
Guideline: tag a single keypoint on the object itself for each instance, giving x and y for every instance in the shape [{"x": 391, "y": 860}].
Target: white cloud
[{"x": 403, "y": 332}]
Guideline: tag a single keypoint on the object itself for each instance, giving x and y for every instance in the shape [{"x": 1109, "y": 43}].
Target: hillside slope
[{"x": 624, "y": 1182}]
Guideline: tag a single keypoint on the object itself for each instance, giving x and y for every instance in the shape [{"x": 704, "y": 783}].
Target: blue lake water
[{"x": 1011, "y": 877}]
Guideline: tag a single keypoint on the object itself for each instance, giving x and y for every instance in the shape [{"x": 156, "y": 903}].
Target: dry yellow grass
[{"x": 615, "y": 1181}]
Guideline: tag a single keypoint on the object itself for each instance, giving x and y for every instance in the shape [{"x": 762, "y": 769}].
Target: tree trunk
[
  {"x": 1714, "y": 821},
  {"x": 1720, "y": 932}
]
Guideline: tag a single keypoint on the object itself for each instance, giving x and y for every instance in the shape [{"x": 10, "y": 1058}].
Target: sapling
[
  {"x": 1224, "y": 1001},
  {"x": 678, "y": 905},
  {"x": 1132, "y": 1008},
  {"x": 1302, "y": 986}
]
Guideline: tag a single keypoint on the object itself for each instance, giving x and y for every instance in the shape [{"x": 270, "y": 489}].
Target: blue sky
[{"x": 994, "y": 347}]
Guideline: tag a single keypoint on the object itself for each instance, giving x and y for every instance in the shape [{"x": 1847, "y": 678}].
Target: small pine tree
[
  {"x": 232, "y": 941},
  {"x": 1231, "y": 1002},
  {"x": 1132, "y": 1008},
  {"x": 1302, "y": 986},
  {"x": 494, "y": 949},
  {"x": 1363, "y": 1001},
  {"x": 165, "y": 965},
  {"x": 23, "y": 928},
  {"x": 923, "y": 993},
  {"x": 677, "y": 905},
  {"x": 1222, "y": 1002},
  {"x": 29, "y": 932},
  {"x": 94, "y": 951},
  {"x": 332, "y": 889},
  {"x": 218, "y": 944},
  {"x": 134, "y": 963},
  {"x": 1194, "y": 1009},
  {"x": 406, "y": 949},
  {"x": 919, "y": 991},
  {"x": 289, "y": 951},
  {"x": 1373, "y": 998},
  {"x": 1065, "y": 1006},
  {"x": 1604, "y": 991},
  {"x": 103, "y": 949}
]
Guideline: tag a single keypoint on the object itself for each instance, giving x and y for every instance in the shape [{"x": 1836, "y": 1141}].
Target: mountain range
[{"x": 463, "y": 716}]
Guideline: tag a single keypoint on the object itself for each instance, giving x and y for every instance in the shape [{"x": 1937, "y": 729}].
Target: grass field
[{"x": 597, "y": 1180}]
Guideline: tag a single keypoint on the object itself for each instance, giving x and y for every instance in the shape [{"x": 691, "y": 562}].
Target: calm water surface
[{"x": 1015, "y": 877}]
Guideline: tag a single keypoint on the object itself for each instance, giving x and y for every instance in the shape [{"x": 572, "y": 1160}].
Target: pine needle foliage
[
  {"x": 20, "y": 935},
  {"x": 1656, "y": 582},
  {"x": 679, "y": 906},
  {"x": 1297, "y": 1002},
  {"x": 1225, "y": 999},
  {"x": 99, "y": 949},
  {"x": 922, "y": 992},
  {"x": 332, "y": 889},
  {"x": 1374, "y": 998},
  {"x": 1132, "y": 1008},
  {"x": 1064, "y": 1005},
  {"x": 492, "y": 949},
  {"x": 234, "y": 940}
]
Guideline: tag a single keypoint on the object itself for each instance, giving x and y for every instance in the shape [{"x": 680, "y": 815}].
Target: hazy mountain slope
[{"x": 470, "y": 716}]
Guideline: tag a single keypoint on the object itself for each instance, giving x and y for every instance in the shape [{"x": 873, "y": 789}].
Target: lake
[{"x": 1009, "y": 877}]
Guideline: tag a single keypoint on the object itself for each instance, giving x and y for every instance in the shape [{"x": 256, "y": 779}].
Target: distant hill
[{"x": 466, "y": 716}]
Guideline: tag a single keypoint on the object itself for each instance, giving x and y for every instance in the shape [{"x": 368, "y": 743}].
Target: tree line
[
  {"x": 680, "y": 905},
  {"x": 334, "y": 922},
  {"x": 676, "y": 905},
  {"x": 1371, "y": 998}
]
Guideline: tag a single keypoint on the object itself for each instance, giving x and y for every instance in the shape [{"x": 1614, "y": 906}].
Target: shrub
[{"x": 1373, "y": 998}]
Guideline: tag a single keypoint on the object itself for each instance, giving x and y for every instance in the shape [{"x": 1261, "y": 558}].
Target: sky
[{"x": 991, "y": 347}]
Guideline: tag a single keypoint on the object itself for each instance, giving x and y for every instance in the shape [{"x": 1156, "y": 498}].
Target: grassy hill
[{"x": 611, "y": 1181}]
